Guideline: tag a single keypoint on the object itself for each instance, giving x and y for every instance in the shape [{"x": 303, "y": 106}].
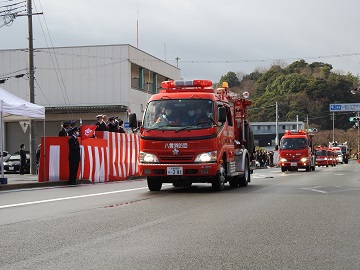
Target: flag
[{"x": 87, "y": 131}]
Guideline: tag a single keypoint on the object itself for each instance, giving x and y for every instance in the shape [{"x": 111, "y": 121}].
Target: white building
[{"x": 76, "y": 83}]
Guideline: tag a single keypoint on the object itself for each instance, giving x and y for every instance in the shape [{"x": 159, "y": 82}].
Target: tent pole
[{"x": 1, "y": 141}]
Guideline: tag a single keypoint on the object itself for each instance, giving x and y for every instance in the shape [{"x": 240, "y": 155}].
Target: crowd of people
[
  {"x": 70, "y": 129},
  {"x": 263, "y": 159},
  {"x": 104, "y": 123}
]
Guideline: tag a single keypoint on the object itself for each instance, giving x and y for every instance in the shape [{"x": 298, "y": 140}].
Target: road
[{"x": 291, "y": 220}]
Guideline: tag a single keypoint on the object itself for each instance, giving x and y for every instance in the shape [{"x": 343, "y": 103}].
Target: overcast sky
[{"x": 210, "y": 37}]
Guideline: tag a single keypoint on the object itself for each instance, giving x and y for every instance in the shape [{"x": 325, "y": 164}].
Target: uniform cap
[
  {"x": 72, "y": 130},
  {"x": 99, "y": 115},
  {"x": 66, "y": 123}
]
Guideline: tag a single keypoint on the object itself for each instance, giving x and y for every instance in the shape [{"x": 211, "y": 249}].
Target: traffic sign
[{"x": 344, "y": 107}]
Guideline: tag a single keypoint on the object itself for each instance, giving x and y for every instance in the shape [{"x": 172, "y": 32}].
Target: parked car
[
  {"x": 6, "y": 156},
  {"x": 12, "y": 163}
]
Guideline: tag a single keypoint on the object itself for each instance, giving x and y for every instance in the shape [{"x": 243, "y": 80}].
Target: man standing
[
  {"x": 101, "y": 126},
  {"x": 64, "y": 128},
  {"x": 74, "y": 155},
  {"x": 22, "y": 158}
]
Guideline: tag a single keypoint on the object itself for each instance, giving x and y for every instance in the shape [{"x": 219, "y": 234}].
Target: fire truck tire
[
  {"x": 154, "y": 184},
  {"x": 234, "y": 182},
  {"x": 218, "y": 182},
  {"x": 283, "y": 169},
  {"x": 245, "y": 179},
  {"x": 308, "y": 168}
]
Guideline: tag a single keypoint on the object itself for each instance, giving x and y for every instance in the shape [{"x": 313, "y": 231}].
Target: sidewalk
[{"x": 17, "y": 181}]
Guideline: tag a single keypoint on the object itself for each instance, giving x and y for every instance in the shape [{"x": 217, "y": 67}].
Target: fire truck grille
[{"x": 181, "y": 157}]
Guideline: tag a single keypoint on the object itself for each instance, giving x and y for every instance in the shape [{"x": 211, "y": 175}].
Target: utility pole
[
  {"x": 276, "y": 125},
  {"x": 297, "y": 122},
  {"x": 31, "y": 89},
  {"x": 333, "y": 118},
  {"x": 177, "y": 61}
]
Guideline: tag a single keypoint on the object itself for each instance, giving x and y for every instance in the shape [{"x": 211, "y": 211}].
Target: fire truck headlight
[
  {"x": 148, "y": 158},
  {"x": 325, "y": 158},
  {"x": 304, "y": 159},
  {"x": 283, "y": 160},
  {"x": 206, "y": 157}
]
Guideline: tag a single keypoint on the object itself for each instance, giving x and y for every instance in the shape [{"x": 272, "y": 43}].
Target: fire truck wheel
[
  {"x": 244, "y": 180},
  {"x": 154, "y": 184},
  {"x": 283, "y": 169},
  {"x": 218, "y": 182},
  {"x": 234, "y": 182}
]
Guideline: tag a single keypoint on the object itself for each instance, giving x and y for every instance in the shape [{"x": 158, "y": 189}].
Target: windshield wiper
[
  {"x": 158, "y": 127},
  {"x": 184, "y": 128}
]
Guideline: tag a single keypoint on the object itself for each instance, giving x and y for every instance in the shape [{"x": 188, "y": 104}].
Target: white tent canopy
[{"x": 13, "y": 108}]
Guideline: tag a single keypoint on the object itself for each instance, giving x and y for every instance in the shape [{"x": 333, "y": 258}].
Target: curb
[{"x": 39, "y": 184}]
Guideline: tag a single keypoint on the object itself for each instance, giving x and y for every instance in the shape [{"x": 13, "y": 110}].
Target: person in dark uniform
[
  {"x": 73, "y": 123},
  {"x": 74, "y": 155},
  {"x": 101, "y": 126},
  {"x": 64, "y": 129},
  {"x": 112, "y": 126},
  {"x": 121, "y": 128},
  {"x": 38, "y": 158},
  {"x": 22, "y": 158}
]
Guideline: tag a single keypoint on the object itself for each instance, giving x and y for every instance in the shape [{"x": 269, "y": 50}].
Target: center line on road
[
  {"x": 71, "y": 198},
  {"x": 316, "y": 190}
]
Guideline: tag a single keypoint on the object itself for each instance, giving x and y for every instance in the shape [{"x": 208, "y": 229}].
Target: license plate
[
  {"x": 293, "y": 164},
  {"x": 11, "y": 168},
  {"x": 174, "y": 170}
]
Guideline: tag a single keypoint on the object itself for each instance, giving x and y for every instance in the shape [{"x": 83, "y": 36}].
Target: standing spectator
[
  {"x": 74, "y": 155},
  {"x": 121, "y": 128},
  {"x": 22, "y": 158},
  {"x": 38, "y": 158},
  {"x": 101, "y": 126},
  {"x": 112, "y": 126},
  {"x": 64, "y": 129},
  {"x": 106, "y": 121},
  {"x": 72, "y": 123}
]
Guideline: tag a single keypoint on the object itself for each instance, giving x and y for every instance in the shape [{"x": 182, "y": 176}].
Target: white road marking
[
  {"x": 72, "y": 197},
  {"x": 316, "y": 190}
]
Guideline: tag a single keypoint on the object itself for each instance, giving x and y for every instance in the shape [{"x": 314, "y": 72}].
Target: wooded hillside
[{"x": 305, "y": 90}]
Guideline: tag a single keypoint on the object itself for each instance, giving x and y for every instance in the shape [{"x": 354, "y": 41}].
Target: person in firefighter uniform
[{"x": 74, "y": 155}]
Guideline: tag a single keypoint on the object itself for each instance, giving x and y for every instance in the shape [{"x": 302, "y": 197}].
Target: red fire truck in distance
[
  {"x": 296, "y": 151},
  {"x": 192, "y": 133},
  {"x": 321, "y": 158}
]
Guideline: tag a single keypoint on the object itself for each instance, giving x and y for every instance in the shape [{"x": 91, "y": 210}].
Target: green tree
[{"x": 231, "y": 79}]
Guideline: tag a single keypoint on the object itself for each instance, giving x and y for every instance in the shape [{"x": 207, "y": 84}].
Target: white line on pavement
[{"x": 71, "y": 198}]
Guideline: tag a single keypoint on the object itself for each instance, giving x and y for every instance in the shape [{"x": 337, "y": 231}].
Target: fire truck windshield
[
  {"x": 175, "y": 114},
  {"x": 293, "y": 143}
]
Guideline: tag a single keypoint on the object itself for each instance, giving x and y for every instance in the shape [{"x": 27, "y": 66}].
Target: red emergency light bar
[
  {"x": 186, "y": 84},
  {"x": 295, "y": 132}
]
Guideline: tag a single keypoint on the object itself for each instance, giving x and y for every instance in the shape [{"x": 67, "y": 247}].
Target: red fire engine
[
  {"x": 192, "y": 133},
  {"x": 321, "y": 158},
  {"x": 296, "y": 151}
]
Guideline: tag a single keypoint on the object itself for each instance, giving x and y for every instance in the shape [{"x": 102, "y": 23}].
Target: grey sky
[{"x": 211, "y": 37}]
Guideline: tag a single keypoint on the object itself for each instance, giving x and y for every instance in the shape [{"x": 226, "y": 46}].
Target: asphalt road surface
[{"x": 291, "y": 220}]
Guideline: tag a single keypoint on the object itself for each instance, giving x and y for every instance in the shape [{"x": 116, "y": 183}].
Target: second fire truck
[{"x": 296, "y": 151}]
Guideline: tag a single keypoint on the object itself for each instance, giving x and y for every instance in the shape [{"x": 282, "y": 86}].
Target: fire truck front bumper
[
  {"x": 321, "y": 162},
  {"x": 178, "y": 170},
  {"x": 294, "y": 164}
]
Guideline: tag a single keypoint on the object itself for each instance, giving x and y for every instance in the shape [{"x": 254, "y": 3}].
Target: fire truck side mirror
[
  {"x": 221, "y": 114},
  {"x": 132, "y": 120}
]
